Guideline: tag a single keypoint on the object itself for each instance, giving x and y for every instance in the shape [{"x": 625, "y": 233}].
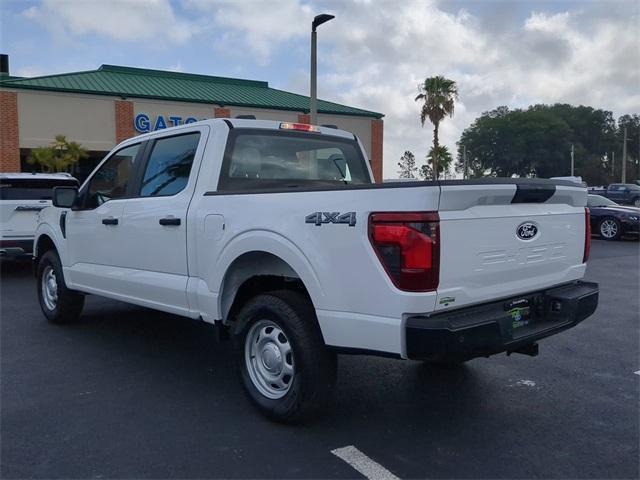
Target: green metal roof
[
  {"x": 6, "y": 76},
  {"x": 182, "y": 87}
]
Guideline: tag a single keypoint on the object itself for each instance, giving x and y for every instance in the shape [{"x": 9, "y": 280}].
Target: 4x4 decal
[{"x": 318, "y": 218}]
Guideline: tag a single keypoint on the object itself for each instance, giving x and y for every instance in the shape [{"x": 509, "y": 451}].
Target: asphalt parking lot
[{"x": 133, "y": 393}]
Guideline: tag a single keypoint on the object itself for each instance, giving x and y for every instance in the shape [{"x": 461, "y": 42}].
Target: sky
[{"x": 372, "y": 55}]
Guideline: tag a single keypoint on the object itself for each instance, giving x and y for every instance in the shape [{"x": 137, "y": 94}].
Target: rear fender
[{"x": 275, "y": 245}]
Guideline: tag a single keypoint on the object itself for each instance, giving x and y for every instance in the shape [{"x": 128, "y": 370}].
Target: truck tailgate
[{"x": 500, "y": 240}]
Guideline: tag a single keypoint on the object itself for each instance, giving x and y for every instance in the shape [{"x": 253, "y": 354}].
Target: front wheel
[
  {"x": 610, "y": 229},
  {"x": 58, "y": 303},
  {"x": 287, "y": 371}
]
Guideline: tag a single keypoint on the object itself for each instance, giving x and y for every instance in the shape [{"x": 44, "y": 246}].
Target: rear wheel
[
  {"x": 58, "y": 303},
  {"x": 287, "y": 371},
  {"x": 610, "y": 229}
]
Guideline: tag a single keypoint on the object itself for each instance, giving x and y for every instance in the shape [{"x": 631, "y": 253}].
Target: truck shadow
[
  {"x": 168, "y": 350},
  {"x": 10, "y": 268}
]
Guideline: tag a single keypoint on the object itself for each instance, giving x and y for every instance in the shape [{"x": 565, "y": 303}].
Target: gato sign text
[{"x": 143, "y": 123}]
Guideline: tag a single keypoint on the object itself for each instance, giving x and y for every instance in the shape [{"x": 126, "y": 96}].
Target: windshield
[
  {"x": 266, "y": 159},
  {"x": 599, "y": 201}
]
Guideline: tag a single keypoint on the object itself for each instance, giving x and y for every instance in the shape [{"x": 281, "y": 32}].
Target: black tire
[
  {"x": 609, "y": 228},
  {"x": 68, "y": 304},
  {"x": 314, "y": 366}
]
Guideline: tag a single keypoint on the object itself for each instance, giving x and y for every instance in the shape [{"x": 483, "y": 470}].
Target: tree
[
  {"x": 438, "y": 96},
  {"x": 407, "y": 165},
  {"x": 59, "y": 156},
  {"x": 444, "y": 161},
  {"x": 537, "y": 142}
]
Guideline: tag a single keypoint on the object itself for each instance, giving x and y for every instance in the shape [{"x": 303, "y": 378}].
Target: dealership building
[{"x": 100, "y": 108}]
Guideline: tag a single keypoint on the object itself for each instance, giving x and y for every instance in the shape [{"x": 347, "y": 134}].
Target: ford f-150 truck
[{"x": 276, "y": 234}]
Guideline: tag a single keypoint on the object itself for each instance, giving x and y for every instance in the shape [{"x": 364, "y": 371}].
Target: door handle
[
  {"x": 109, "y": 221},
  {"x": 169, "y": 221}
]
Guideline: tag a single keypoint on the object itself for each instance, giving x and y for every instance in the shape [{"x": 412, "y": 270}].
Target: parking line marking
[
  {"x": 637, "y": 373},
  {"x": 363, "y": 464}
]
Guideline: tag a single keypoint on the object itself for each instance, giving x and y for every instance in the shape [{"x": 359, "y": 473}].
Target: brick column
[
  {"x": 124, "y": 120},
  {"x": 377, "y": 128},
  {"x": 304, "y": 118},
  {"x": 221, "y": 112},
  {"x": 9, "y": 135}
]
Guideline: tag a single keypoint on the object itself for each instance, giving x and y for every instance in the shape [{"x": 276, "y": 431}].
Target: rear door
[
  {"x": 500, "y": 240},
  {"x": 20, "y": 201},
  {"x": 154, "y": 219}
]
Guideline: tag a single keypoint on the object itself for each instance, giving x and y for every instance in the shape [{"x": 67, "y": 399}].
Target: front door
[{"x": 96, "y": 242}]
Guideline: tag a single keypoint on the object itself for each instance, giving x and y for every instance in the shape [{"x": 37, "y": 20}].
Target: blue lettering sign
[
  {"x": 141, "y": 123},
  {"x": 160, "y": 123}
]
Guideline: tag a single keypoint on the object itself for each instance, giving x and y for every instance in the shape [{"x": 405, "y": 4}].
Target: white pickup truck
[{"x": 276, "y": 233}]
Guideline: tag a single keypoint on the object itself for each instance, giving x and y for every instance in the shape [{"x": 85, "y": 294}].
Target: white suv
[{"x": 22, "y": 196}]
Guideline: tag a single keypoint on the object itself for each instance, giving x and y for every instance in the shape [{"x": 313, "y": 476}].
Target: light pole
[
  {"x": 572, "y": 163},
  {"x": 464, "y": 162},
  {"x": 624, "y": 157},
  {"x": 317, "y": 21}
]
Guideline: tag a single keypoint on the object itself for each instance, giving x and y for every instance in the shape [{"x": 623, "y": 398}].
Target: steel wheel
[
  {"x": 269, "y": 359},
  {"x": 609, "y": 228},
  {"x": 49, "y": 287}
]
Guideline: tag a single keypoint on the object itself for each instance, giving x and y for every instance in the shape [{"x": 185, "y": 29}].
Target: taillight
[
  {"x": 303, "y": 127},
  {"x": 587, "y": 235},
  {"x": 408, "y": 246}
]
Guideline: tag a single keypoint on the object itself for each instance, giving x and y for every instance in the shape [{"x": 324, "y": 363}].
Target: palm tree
[
  {"x": 438, "y": 95},
  {"x": 444, "y": 160},
  {"x": 59, "y": 156}
]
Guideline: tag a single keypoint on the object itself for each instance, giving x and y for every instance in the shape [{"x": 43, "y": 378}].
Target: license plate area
[{"x": 525, "y": 315}]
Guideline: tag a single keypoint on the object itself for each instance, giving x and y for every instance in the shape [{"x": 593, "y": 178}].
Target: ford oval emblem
[{"x": 527, "y": 231}]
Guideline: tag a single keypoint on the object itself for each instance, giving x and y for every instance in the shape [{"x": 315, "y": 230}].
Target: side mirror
[{"x": 65, "y": 197}]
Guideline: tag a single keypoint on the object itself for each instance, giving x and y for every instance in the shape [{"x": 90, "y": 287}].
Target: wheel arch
[
  {"x": 259, "y": 253},
  {"x": 44, "y": 240},
  {"x": 252, "y": 273}
]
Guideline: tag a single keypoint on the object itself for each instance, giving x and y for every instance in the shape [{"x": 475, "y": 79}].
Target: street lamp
[{"x": 317, "y": 21}]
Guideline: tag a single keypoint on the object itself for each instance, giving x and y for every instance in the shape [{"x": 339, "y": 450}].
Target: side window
[
  {"x": 112, "y": 178},
  {"x": 169, "y": 165}
]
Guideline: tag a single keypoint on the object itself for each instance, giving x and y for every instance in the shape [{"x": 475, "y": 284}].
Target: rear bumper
[
  {"x": 501, "y": 326},
  {"x": 15, "y": 248}
]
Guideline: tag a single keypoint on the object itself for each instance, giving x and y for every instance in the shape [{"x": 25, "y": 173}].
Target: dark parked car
[
  {"x": 610, "y": 220},
  {"x": 622, "y": 193}
]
